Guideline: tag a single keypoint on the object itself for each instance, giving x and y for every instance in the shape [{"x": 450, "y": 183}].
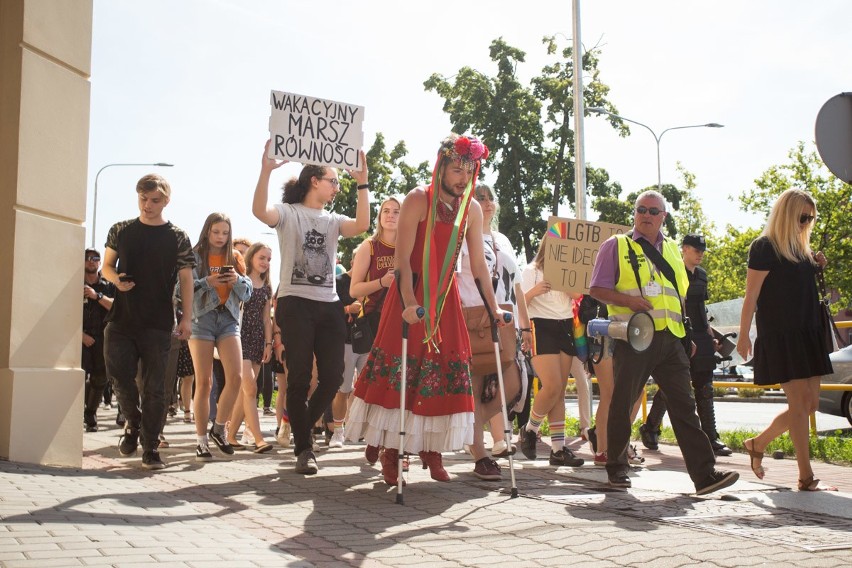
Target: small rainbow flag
[{"x": 558, "y": 230}]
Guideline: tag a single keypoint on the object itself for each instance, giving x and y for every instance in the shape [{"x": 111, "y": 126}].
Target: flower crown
[{"x": 468, "y": 149}]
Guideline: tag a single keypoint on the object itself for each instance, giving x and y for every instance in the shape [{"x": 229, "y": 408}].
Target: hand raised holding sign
[
  {"x": 267, "y": 164},
  {"x": 360, "y": 176}
]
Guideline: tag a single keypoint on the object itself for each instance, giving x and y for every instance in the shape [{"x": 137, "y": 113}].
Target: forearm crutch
[
  {"x": 402, "y": 385},
  {"x": 507, "y": 430}
]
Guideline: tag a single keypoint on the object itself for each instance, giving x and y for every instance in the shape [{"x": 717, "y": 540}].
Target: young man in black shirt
[
  {"x": 97, "y": 300},
  {"x": 144, "y": 258}
]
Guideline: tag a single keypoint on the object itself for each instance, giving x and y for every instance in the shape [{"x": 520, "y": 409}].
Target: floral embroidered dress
[{"x": 439, "y": 402}]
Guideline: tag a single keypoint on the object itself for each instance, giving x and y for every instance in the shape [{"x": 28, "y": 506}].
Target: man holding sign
[
  {"x": 643, "y": 272},
  {"x": 309, "y": 311}
]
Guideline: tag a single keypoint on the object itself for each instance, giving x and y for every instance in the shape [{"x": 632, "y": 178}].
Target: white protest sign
[
  {"x": 571, "y": 249},
  {"x": 309, "y": 130}
]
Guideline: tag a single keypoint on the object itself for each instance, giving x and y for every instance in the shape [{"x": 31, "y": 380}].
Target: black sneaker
[
  {"x": 221, "y": 441},
  {"x": 129, "y": 442},
  {"x": 91, "y": 427},
  {"x": 306, "y": 463},
  {"x": 650, "y": 437},
  {"x": 592, "y": 435},
  {"x": 151, "y": 460},
  {"x": 565, "y": 457},
  {"x": 202, "y": 453},
  {"x": 528, "y": 443},
  {"x": 716, "y": 481},
  {"x": 719, "y": 448},
  {"x": 619, "y": 480}
]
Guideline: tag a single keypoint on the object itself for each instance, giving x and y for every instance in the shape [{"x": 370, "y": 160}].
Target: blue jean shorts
[{"x": 214, "y": 325}]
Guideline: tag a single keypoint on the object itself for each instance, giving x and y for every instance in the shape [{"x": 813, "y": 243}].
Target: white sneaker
[
  {"x": 247, "y": 440},
  {"x": 283, "y": 435},
  {"x": 337, "y": 438},
  {"x": 633, "y": 456}
]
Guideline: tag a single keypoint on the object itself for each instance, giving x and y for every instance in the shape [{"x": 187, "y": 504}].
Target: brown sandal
[
  {"x": 756, "y": 459},
  {"x": 811, "y": 484}
]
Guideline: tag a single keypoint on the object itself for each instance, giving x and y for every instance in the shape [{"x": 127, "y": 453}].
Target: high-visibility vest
[{"x": 666, "y": 310}]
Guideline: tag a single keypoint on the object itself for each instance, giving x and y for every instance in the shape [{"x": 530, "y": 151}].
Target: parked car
[{"x": 836, "y": 402}]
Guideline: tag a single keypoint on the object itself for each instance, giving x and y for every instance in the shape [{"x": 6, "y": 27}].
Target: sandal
[
  {"x": 811, "y": 484},
  {"x": 262, "y": 449},
  {"x": 756, "y": 459}
]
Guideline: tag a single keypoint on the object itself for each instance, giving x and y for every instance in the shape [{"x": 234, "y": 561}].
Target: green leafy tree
[
  {"x": 507, "y": 116},
  {"x": 390, "y": 174},
  {"x": 726, "y": 262}
]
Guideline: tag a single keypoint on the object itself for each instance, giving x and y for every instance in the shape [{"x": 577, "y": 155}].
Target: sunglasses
[
  {"x": 652, "y": 210},
  {"x": 333, "y": 181},
  {"x": 805, "y": 219},
  {"x": 93, "y": 259}
]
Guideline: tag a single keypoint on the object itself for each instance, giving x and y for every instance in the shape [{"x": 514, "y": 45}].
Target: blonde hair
[
  {"x": 253, "y": 250},
  {"x": 788, "y": 238},
  {"x": 538, "y": 260},
  {"x": 377, "y": 234}
]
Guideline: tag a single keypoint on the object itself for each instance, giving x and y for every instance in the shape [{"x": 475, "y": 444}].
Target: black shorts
[{"x": 552, "y": 337}]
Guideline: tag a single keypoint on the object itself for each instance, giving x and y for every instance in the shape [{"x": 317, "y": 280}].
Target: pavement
[{"x": 253, "y": 510}]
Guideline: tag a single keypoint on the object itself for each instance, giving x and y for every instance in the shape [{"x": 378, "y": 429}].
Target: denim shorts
[{"x": 214, "y": 325}]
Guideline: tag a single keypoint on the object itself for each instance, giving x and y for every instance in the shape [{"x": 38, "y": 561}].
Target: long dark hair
[
  {"x": 203, "y": 246},
  {"x": 297, "y": 188}
]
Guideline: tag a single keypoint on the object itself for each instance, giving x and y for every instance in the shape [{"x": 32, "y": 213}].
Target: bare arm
[
  {"x": 185, "y": 280},
  {"x": 361, "y": 222},
  {"x": 413, "y": 211},
  {"x": 109, "y": 272},
  {"x": 265, "y": 314},
  {"x": 754, "y": 282},
  {"x": 260, "y": 207},
  {"x": 360, "y": 286},
  {"x": 478, "y": 267}
]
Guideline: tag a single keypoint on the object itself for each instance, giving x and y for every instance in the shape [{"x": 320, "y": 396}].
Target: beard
[{"x": 91, "y": 270}]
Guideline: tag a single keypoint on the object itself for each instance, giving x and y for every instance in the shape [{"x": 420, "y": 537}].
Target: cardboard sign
[
  {"x": 315, "y": 131},
  {"x": 571, "y": 249}
]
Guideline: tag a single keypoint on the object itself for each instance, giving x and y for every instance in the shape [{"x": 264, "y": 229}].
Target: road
[{"x": 747, "y": 415}]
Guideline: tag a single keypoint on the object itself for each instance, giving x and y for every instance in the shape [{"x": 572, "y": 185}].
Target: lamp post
[
  {"x": 600, "y": 110},
  {"x": 95, "y": 204}
]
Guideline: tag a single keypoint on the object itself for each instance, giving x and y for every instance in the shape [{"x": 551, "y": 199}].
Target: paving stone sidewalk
[{"x": 253, "y": 510}]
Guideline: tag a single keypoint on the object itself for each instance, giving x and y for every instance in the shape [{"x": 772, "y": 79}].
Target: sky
[{"x": 188, "y": 82}]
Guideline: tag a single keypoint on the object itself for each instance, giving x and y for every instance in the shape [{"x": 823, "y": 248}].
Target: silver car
[{"x": 837, "y": 402}]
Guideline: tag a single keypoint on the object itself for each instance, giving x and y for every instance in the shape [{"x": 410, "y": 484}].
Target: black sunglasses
[
  {"x": 93, "y": 259},
  {"x": 652, "y": 210},
  {"x": 804, "y": 219}
]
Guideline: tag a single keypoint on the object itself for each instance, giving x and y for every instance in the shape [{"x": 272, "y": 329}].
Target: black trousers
[
  {"x": 96, "y": 380},
  {"x": 143, "y": 406},
  {"x": 310, "y": 329},
  {"x": 701, "y": 380},
  {"x": 667, "y": 362}
]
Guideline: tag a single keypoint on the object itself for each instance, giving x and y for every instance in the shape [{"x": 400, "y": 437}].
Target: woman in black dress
[{"x": 790, "y": 347}]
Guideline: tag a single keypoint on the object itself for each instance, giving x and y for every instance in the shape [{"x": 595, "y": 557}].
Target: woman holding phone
[{"x": 220, "y": 288}]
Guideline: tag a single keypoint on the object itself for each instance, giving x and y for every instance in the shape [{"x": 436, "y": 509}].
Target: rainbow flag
[
  {"x": 580, "y": 341},
  {"x": 558, "y": 230}
]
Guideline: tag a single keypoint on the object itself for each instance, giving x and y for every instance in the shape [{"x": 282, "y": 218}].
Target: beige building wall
[{"x": 45, "y": 64}]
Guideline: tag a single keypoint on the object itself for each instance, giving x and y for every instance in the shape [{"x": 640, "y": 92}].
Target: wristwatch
[{"x": 100, "y": 296}]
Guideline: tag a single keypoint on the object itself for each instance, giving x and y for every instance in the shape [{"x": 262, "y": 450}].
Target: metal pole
[
  {"x": 579, "y": 152},
  {"x": 95, "y": 198}
]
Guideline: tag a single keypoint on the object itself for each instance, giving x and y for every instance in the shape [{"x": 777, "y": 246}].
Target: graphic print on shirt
[{"x": 313, "y": 267}]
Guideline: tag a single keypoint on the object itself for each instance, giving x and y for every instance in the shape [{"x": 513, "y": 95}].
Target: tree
[
  {"x": 506, "y": 115},
  {"x": 389, "y": 175}
]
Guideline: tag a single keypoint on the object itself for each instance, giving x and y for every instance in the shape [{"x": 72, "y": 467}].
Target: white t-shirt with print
[
  {"x": 502, "y": 264},
  {"x": 307, "y": 239}
]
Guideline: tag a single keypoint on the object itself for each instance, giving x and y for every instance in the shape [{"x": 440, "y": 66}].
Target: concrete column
[{"x": 45, "y": 64}]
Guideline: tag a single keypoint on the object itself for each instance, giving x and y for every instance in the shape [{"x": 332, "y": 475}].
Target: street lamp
[
  {"x": 601, "y": 110},
  {"x": 95, "y": 204}
]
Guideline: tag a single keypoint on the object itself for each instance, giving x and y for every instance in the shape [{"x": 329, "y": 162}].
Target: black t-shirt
[
  {"x": 94, "y": 313},
  {"x": 696, "y": 296},
  {"x": 153, "y": 255}
]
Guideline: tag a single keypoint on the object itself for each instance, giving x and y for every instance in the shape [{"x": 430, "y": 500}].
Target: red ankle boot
[
  {"x": 390, "y": 466},
  {"x": 433, "y": 461}
]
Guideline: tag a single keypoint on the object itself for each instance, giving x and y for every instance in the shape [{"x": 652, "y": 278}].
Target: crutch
[
  {"x": 507, "y": 431},
  {"x": 402, "y": 386}
]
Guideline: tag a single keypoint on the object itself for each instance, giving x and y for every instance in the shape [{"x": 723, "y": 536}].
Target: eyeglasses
[
  {"x": 805, "y": 219},
  {"x": 333, "y": 181},
  {"x": 93, "y": 259},
  {"x": 652, "y": 210}
]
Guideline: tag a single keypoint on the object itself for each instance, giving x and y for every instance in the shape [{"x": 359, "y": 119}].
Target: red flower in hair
[
  {"x": 485, "y": 153},
  {"x": 462, "y": 146}
]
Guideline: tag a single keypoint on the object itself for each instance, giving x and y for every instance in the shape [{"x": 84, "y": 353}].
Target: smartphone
[
  {"x": 126, "y": 278},
  {"x": 226, "y": 269}
]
